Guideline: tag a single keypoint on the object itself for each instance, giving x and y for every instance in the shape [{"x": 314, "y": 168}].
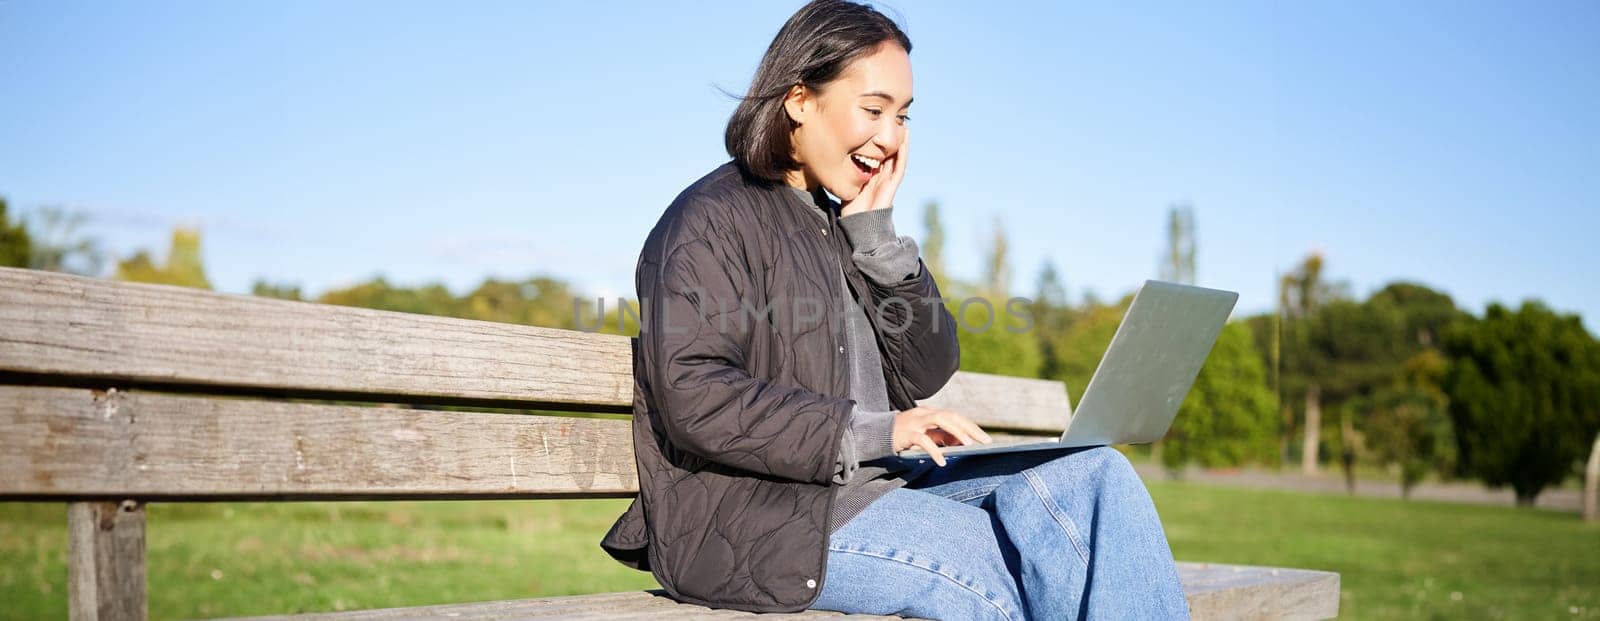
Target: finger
[
  {"x": 869, "y": 192},
  {"x": 960, "y": 426},
  {"x": 942, "y": 437},
  {"x": 900, "y": 157},
  {"x": 960, "y": 421},
  {"x": 975, "y": 430},
  {"x": 933, "y": 449},
  {"x": 965, "y": 437},
  {"x": 948, "y": 428},
  {"x": 891, "y": 181}
]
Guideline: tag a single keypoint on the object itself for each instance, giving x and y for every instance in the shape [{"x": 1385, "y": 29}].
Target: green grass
[
  {"x": 1398, "y": 560},
  {"x": 209, "y": 560}
]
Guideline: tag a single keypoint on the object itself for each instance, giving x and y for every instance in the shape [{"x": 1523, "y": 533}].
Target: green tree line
[{"x": 1402, "y": 379}]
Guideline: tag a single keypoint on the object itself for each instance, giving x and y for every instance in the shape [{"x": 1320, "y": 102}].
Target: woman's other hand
[
  {"x": 930, "y": 428},
  {"x": 880, "y": 189}
]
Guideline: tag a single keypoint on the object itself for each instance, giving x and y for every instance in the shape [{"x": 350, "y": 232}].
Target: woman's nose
[{"x": 888, "y": 137}]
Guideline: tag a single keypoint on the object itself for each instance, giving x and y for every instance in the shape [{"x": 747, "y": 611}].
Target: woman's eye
[{"x": 878, "y": 112}]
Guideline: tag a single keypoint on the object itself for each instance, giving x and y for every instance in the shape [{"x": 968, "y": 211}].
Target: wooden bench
[{"x": 115, "y": 395}]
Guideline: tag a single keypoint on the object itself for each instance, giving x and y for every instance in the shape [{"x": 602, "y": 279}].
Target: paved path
[{"x": 1332, "y": 482}]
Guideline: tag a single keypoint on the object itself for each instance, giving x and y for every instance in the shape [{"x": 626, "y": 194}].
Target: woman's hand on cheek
[{"x": 880, "y": 189}]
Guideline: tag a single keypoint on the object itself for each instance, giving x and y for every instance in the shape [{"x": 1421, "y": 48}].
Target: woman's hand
[
  {"x": 880, "y": 189},
  {"x": 930, "y": 428}
]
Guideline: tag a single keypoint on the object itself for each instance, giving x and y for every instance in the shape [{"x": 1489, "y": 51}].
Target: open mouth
[{"x": 865, "y": 166}]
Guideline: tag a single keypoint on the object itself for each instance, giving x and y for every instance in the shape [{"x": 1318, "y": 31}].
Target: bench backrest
[{"x": 114, "y": 391}]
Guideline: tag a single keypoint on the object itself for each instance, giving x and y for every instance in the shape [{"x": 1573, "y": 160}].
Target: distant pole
[{"x": 1591, "y": 484}]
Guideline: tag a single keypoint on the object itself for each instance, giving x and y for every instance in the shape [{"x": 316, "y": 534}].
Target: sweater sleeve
[
  {"x": 869, "y": 435},
  {"x": 876, "y": 250}
]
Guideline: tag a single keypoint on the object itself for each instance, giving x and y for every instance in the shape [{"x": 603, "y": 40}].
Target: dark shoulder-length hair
[{"x": 816, "y": 45}]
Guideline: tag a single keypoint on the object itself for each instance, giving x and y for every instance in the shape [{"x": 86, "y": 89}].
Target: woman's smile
[{"x": 865, "y": 167}]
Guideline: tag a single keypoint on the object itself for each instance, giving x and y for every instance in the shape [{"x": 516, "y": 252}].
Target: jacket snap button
[
  {"x": 841, "y": 349},
  {"x": 811, "y": 584}
]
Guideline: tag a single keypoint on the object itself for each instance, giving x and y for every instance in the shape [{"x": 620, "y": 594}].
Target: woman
[{"x": 785, "y": 339}]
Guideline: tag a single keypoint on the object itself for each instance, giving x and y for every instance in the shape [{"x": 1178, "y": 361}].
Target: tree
[
  {"x": 265, "y": 289},
  {"x": 1079, "y": 348},
  {"x": 537, "y": 301},
  {"x": 933, "y": 241},
  {"x": 1228, "y": 418},
  {"x": 1425, "y": 313},
  {"x": 15, "y": 245},
  {"x": 997, "y": 267},
  {"x": 58, "y": 245},
  {"x": 1408, "y": 420},
  {"x": 433, "y": 299},
  {"x": 1177, "y": 265},
  {"x": 1353, "y": 349},
  {"x": 1523, "y": 388},
  {"x": 987, "y": 346},
  {"x": 1301, "y": 294},
  {"x": 1358, "y": 350},
  {"x": 183, "y": 266},
  {"x": 993, "y": 339},
  {"x": 1051, "y": 317}
]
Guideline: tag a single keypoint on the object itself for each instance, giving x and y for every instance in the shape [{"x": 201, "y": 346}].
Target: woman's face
[{"x": 855, "y": 123}]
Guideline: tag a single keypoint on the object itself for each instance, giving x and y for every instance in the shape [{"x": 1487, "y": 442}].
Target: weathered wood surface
[
  {"x": 653, "y": 604},
  {"x": 1002, "y": 402},
  {"x": 70, "y": 330},
  {"x": 1214, "y": 592},
  {"x": 128, "y": 335},
  {"x": 74, "y": 442},
  {"x": 1247, "y": 592},
  {"x": 105, "y": 561}
]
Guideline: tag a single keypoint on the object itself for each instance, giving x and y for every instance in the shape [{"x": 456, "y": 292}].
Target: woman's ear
[{"x": 798, "y": 104}]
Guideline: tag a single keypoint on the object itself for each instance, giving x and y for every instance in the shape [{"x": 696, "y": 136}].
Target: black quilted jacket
[{"x": 740, "y": 389}]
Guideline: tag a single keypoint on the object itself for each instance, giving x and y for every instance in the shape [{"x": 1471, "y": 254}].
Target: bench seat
[{"x": 1214, "y": 591}]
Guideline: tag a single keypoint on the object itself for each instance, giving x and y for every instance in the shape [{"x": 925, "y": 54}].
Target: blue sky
[{"x": 1452, "y": 143}]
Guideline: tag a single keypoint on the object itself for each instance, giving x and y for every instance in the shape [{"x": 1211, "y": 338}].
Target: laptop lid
[{"x": 1153, "y": 359}]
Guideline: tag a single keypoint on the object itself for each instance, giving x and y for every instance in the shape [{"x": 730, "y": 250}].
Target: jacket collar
[{"x": 817, "y": 203}]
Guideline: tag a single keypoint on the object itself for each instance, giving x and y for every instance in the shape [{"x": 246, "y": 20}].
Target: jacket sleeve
[
  {"x": 695, "y": 361},
  {"x": 918, "y": 332}
]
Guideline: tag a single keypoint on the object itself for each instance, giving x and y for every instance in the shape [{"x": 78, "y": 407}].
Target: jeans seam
[
  {"x": 936, "y": 572},
  {"x": 1055, "y": 512},
  {"x": 968, "y": 494}
]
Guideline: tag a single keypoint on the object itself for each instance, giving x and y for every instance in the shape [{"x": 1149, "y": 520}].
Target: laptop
[{"x": 1158, "y": 350}]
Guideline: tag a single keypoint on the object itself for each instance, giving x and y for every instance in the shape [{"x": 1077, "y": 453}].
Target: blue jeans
[{"x": 1058, "y": 534}]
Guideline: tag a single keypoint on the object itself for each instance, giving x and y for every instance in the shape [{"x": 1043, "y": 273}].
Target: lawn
[{"x": 1398, "y": 560}]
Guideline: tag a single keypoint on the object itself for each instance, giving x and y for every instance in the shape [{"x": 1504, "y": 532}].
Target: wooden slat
[
  {"x": 73, "y": 442},
  {"x": 1004, "y": 402},
  {"x": 1213, "y": 591},
  {"x": 1247, "y": 592},
  {"x": 69, "y": 330},
  {"x": 653, "y": 604},
  {"x": 104, "y": 333},
  {"x": 105, "y": 561}
]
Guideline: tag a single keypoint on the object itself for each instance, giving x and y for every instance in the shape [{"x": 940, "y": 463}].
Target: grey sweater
[{"x": 886, "y": 258}]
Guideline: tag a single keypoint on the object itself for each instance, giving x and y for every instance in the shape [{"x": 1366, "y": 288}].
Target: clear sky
[{"x": 1452, "y": 143}]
